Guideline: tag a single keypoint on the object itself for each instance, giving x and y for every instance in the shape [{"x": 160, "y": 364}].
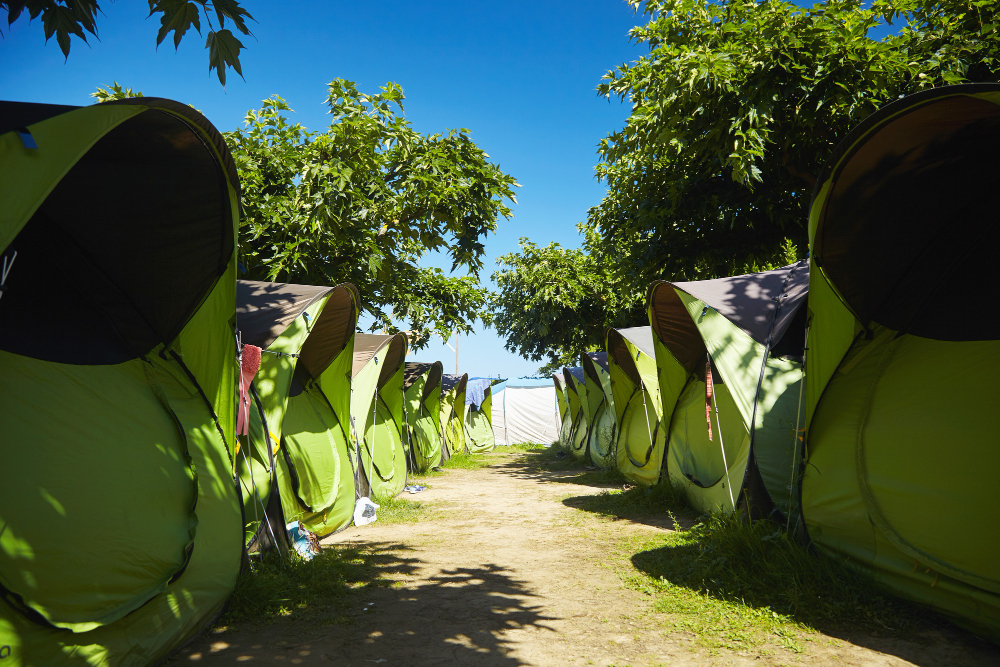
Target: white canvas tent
[{"x": 525, "y": 411}]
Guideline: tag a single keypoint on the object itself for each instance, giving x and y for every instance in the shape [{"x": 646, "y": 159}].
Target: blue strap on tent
[{"x": 26, "y": 139}]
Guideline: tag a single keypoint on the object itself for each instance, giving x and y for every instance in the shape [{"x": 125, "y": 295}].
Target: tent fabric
[
  {"x": 576, "y": 398},
  {"x": 124, "y": 298},
  {"x": 562, "y": 405},
  {"x": 525, "y": 415},
  {"x": 453, "y": 414},
  {"x": 479, "y": 436},
  {"x": 377, "y": 412},
  {"x": 136, "y": 347},
  {"x": 304, "y": 329},
  {"x": 748, "y": 459},
  {"x": 898, "y": 438},
  {"x": 599, "y": 408},
  {"x": 422, "y": 395},
  {"x": 635, "y": 388}
]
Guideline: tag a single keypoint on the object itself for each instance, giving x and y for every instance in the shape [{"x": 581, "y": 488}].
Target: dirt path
[{"x": 506, "y": 573}]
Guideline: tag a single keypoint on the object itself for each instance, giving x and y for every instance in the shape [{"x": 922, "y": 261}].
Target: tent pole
[{"x": 795, "y": 435}]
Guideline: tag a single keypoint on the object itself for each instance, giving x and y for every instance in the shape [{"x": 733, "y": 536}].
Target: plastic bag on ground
[{"x": 364, "y": 511}]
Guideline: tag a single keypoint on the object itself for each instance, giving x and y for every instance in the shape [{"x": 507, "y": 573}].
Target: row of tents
[
  {"x": 837, "y": 395},
  {"x": 161, "y": 418}
]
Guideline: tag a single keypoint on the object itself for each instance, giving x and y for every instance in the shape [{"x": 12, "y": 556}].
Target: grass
[
  {"x": 467, "y": 461},
  {"x": 736, "y": 585},
  {"x": 275, "y": 588},
  {"x": 400, "y": 510}
]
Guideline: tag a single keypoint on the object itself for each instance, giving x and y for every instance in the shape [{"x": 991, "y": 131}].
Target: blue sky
[{"x": 519, "y": 75}]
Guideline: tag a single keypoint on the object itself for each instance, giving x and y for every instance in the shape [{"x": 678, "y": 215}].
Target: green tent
[
  {"x": 377, "y": 412},
  {"x": 748, "y": 332},
  {"x": 636, "y": 394},
  {"x": 565, "y": 418},
  {"x": 599, "y": 409},
  {"x": 479, "y": 424},
  {"x": 422, "y": 405},
  {"x": 453, "y": 414},
  {"x": 306, "y": 333},
  {"x": 901, "y": 450},
  {"x": 120, "y": 529},
  {"x": 576, "y": 398}
]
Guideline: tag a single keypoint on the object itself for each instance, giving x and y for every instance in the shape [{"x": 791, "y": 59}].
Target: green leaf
[
  {"x": 178, "y": 16},
  {"x": 223, "y": 51}
]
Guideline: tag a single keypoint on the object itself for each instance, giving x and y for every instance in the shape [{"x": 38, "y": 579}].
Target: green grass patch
[
  {"x": 467, "y": 461},
  {"x": 739, "y": 586},
  {"x": 522, "y": 447},
  {"x": 400, "y": 510},
  {"x": 274, "y": 588}
]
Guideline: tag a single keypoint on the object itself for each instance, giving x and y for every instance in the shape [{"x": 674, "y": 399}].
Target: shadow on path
[{"x": 457, "y": 616}]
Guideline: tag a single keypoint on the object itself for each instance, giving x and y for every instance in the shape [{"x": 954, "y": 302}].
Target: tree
[
  {"x": 553, "y": 303},
  {"x": 363, "y": 202},
  {"x": 66, "y": 18},
  {"x": 735, "y": 110},
  {"x": 739, "y": 104}
]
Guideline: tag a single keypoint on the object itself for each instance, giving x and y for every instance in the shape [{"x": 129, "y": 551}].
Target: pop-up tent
[
  {"x": 306, "y": 333},
  {"x": 599, "y": 409},
  {"x": 453, "y": 414},
  {"x": 576, "y": 397},
  {"x": 525, "y": 412},
  {"x": 422, "y": 404},
  {"x": 746, "y": 333},
  {"x": 903, "y": 357},
  {"x": 120, "y": 529},
  {"x": 377, "y": 412},
  {"x": 636, "y": 393},
  {"x": 565, "y": 418},
  {"x": 479, "y": 416}
]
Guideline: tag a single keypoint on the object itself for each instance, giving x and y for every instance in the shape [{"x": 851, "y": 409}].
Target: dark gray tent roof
[
  {"x": 641, "y": 337},
  {"x": 367, "y": 346},
  {"x": 264, "y": 310},
  {"x": 456, "y": 382},
  {"x": 573, "y": 376},
  {"x": 414, "y": 370},
  {"x": 589, "y": 361},
  {"x": 748, "y": 301}
]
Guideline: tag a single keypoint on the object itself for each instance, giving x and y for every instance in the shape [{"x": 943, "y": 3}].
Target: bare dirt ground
[{"x": 505, "y": 571}]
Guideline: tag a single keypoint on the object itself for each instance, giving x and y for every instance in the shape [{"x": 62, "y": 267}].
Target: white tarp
[{"x": 526, "y": 414}]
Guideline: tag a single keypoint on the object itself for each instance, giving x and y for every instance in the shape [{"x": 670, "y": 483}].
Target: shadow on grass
[
  {"x": 741, "y": 584},
  {"x": 662, "y": 506},
  {"x": 365, "y": 602}
]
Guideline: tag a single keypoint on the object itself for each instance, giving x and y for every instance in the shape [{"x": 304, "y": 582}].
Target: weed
[
  {"x": 400, "y": 510},
  {"x": 273, "y": 587}
]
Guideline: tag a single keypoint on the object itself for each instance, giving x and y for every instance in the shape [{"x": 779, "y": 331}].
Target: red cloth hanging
[
  {"x": 708, "y": 397},
  {"x": 250, "y": 364}
]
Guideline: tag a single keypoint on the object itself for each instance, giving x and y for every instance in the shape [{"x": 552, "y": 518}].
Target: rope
[{"x": 722, "y": 446}]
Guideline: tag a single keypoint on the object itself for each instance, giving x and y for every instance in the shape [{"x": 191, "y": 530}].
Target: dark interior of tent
[
  {"x": 85, "y": 287},
  {"x": 908, "y": 233}
]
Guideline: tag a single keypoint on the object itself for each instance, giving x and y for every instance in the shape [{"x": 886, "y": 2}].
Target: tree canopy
[
  {"x": 65, "y": 19},
  {"x": 364, "y": 201},
  {"x": 735, "y": 109}
]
